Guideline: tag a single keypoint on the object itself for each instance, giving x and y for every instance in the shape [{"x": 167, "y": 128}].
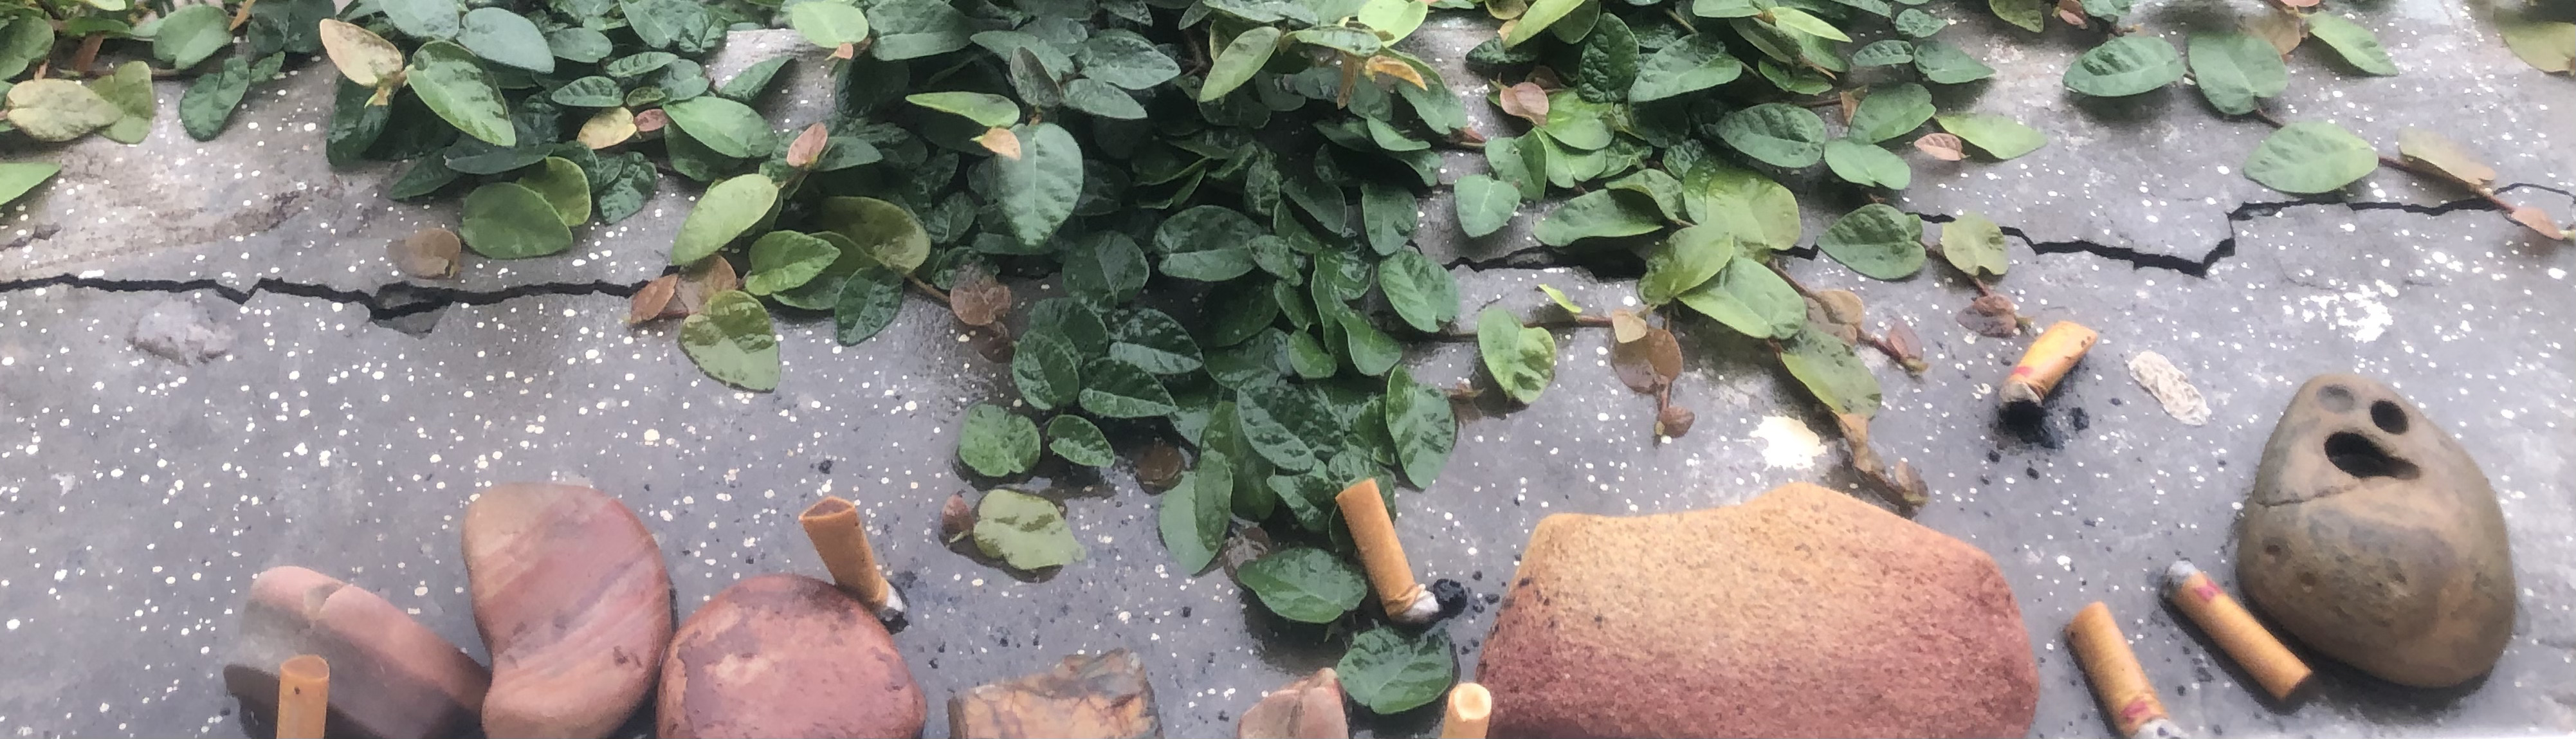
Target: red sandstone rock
[
  {"x": 570, "y": 594},
  {"x": 1310, "y": 708},
  {"x": 1100, "y": 696},
  {"x": 390, "y": 676},
  {"x": 780, "y": 656},
  {"x": 1803, "y": 612}
]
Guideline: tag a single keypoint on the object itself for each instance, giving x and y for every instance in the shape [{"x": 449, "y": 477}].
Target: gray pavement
[{"x": 139, "y": 494}]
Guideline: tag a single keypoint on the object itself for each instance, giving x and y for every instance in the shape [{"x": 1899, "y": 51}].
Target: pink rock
[
  {"x": 571, "y": 596},
  {"x": 390, "y": 676},
  {"x": 781, "y": 656}
]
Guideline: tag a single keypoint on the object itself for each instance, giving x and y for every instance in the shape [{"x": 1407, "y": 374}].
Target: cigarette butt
[
  {"x": 2237, "y": 633},
  {"x": 1364, "y": 510},
  {"x": 838, "y": 535},
  {"x": 1470, "y": 705},
  {"x": 2046, "y": 362},
  {"x": 2117, "y": 679},
  {"x": 303, "y": 697}
]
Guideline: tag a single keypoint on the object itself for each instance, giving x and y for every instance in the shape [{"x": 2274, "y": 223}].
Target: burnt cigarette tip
[{"x": 2181, "y": 570}]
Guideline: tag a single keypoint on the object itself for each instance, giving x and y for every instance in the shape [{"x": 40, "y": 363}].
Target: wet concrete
[{"x": 139, "y": 494}]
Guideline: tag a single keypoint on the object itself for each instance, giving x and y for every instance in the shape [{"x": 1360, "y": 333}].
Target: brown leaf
[
  {"x": 1850, "y": 102},
  {"x": 1001, "y": 142},
  {"x": 1526, "y": 101},
  {"x": 1674, "y": 421},
  {"x": 1992, "y": 316},
  {"x": 956, "y": 519},
  {"x": 1627, "y": 326},
  {"x": 1838, "y": 312},
  {"x": 1942, "y": 146},
  {"x": 2071, "y": 11},
  {"x": 978, "y": 299},
  {"x": 2300, "y": 3},
  {"x": 845, "y": 52},
  {"x": 1465, "y": 392},
  {"x": 1469, "y": 137},
  {"x": 652, "y": 299},
  {"x": 1648, "y": 364},
  {"x": 1160, "y": 467},
  {"x": 2534, "y": 218},
  {"x": 430, "y": 253},
  {"x": 2444, "y": 156},
  {"x": 1311, "y": 706},
  {"x": 2283, "y": 28},
  {"x": 1387, "y": 66},
  {"x": 808, "y": 146},
  {"x": 1908, "y": 485},
  {"x": 651, "y": 121},
  {"x": 1248, "y": 543},
  {"x": 1545, "y": 77},
  {"x": 1856, "y": 436},
  {"x": 1909, "y": 348},
  {"x": 700, "y": 283}
]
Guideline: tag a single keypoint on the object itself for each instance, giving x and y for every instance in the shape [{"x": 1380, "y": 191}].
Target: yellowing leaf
[
  {"x": 1001, "y": 142},
  {"x": 362, "y": 56},
  {"x": 1387, "y": 66},
  {"x": 608, "y": 128},
  {"x": 2444, "y": 155}
]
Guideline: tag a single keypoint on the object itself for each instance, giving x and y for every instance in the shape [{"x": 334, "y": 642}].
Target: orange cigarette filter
[
  {"x": 303, "y": 697},
  {"x": 2047, "y": 361},
  {"x": 2117, "y": 679},
  {"x": 2237, "y": 633},
  {"x": 1470, "y": 707},
  {"x": 1364, "y": 510},
  {"x": 833, "y": 525}
]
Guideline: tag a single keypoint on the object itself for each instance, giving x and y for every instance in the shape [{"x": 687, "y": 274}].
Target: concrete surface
[{"x": 138, "y": 494}]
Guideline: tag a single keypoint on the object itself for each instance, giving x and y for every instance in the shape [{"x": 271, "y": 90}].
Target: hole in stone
[
  {"x": 2308, "y": 580},
  {"x": 2357, "y": 456},
  {"x": 2390, "y": 418},
  {"x": 2272, "y": 550},
  {"x": 2335, "y": 398}
]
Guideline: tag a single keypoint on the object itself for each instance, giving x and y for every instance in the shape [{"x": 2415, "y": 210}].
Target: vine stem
[
  {"x": 928, "y": 289},
  {"x": 1873, "y": 340}
]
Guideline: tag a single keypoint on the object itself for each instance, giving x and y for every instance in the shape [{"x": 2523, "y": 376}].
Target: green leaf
[
  {"x": 1394, "y": 19},
  {"x": 869, "y": 301},
  {"x": 1915, "y": 23},
  {"x": 1303, "y": 583},
  {"x": 992, "y": 111},
  {"x": 1079, "y": 326},
  {"x": 2548, "y": 46},
  {"x": 731, "y": 340},
  {"x": 1558, "y": 297},
  {"x": 910, "y": 29},
  {"x": 747, "y": 85},
  {"x": 1372, "y": 352},
  {"x": 1876, "y": 240},
  {"x": 1423, "y": 426},
  {"x": 1106, "y": 269},
  {"x": 1600, "y": 213},
  {"x": 1116, "y": 388},
  {"x": 1039, "y": 189},
  {"x": 507, "y": 38},
  {"x": 1484, "y": 204},
  {"x": 1354, "y": 41},
  {"x": 424, "y": 19},
  {"x": 1798, "y": 80},
  {"x": 1047, "y": 370},
  {"x": 1178, "y": 521},
  {"x": 1607, "y": 64},
  {"x": 1540, "y": 15},
  {"x": 1690, "y": 64},
  {"x": 1285, "y": 424},
  {"x": 16, "y": 178},
  {"x": 1024, "y": 531},
  {"x": 1759, "y": 213},
  {"x": 1521, "y": 161},
  {"x": 2000, "y": 137},
  {"x": 1422, "y": 293},
  {"x": 564, "y": 186},
  {"x": 1942, "y": 63},
  {"x": 1241, "y": 57},
  {"x": 1973, "y": 243},
  {"x": 2236, "y": 69},
  {"x": 883, "y": 230},
  {"x": 1725, "y": 8},
  {"x": 1120, "y": 57},
  {"x": 1867, "y": 165},
  {"x": 2357, "y": 45},
  {"x": 506, "y": 220},
  {"x": 455, "y": 86},
  {"x": 2310, "y": 157},
  {"x": 1225, "y": 471},
  {"x": 1883, "y": 53},
  {"x": 729, "y": 128},
  {"x": 783, "y": 260},
  {"x": 996, "y": 442},
  {"x": 1576, "y": 122},
  {"x": 622, "y": 191},
  {"x": 1387, "y": 215},
  {"x": 578, "y": 44},
  {"x": 27, "y": 37},
  {"x": 1521, "y": 359},
  {"x": 190, "y": 34},
  {"x": 1890, "y": 112},
  {"x": 1793, "y": 19},
  {"x": 2124, "y": 66},
  {"x": 1390, "y": 672},
  {"x": 1828, "y": 368},
  {"x": 1691, "y": 256},
  {"x": 728, "y": 209},
  {"x": 1751, "y": 299},
  {"x": 827, "y": 23},
  {"x": 1079, "y": 441},
  {"x": 61, "y": 110},
  {"x": 589, "y": 92},
  {"x": 2029, "y": 15},
  {"x": 1777, "y": 134},
  {"x": 129, "y": 88},
  {"x": 1102, "y": 99},
  {"x": 1152, "y": 340},
  {"x": 639, "y": 64}
]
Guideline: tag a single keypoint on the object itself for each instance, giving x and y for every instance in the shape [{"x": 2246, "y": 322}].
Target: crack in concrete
[{"x": 388, "y": 304}]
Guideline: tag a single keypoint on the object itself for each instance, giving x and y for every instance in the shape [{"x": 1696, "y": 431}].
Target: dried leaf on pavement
[
  {"x": 977, "y": 298},
  {"x": 1991, "y": 316}
]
